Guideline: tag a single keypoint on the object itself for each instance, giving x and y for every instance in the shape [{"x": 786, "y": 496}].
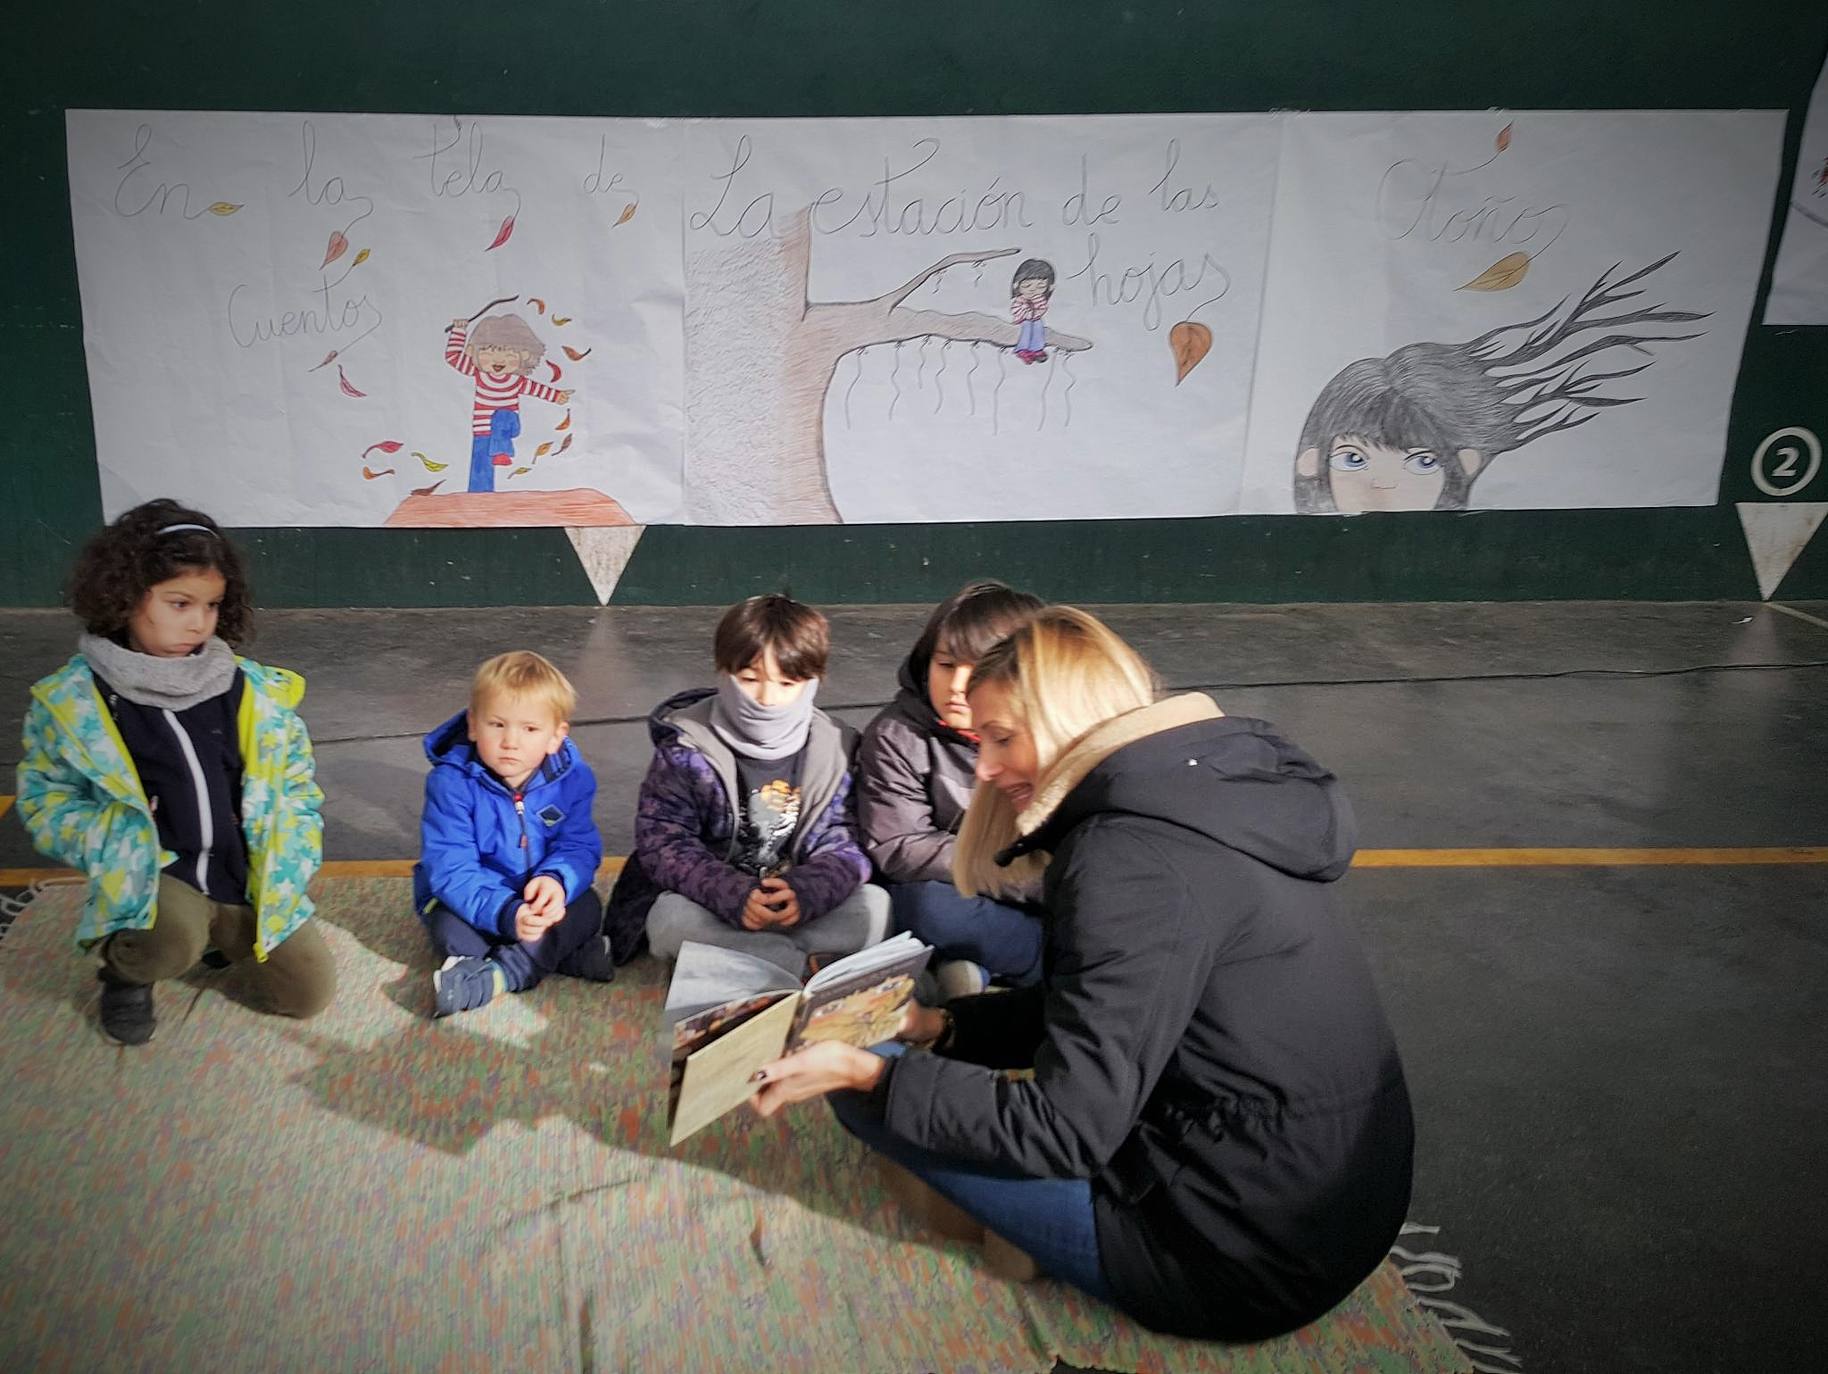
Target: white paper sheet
[
  {"x": 1394, "y": 230},
  {"x": 1799, "y": 281},
  {"x": 213, "y": 289}
]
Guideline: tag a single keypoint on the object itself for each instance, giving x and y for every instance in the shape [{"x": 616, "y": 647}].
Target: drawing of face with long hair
[
  {"x": 1415, "y": 429},
  {"x": 1366, "y": 475}
]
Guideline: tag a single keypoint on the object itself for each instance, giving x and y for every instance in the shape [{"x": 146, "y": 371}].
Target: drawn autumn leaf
[
  {"x": 1190, "y": 341},
  {"x": 564, "y": 424},
  {"x": 361, "y": 257},
  {"x": 428, "y": 464},
  {"x": 519, "y": 471},
  {"x": 542, "y": 450},
  {"x": 223, "y": 207},
  {"x": 501, "y": 234},
  {"x": 574, "y": 355},
  {"x": 561, "y": 319},
  {"x": 627, "y": 214},
  {"x": 369, "y": 474},
  {"x": 1501, "y": 275},
  {"x": 339, "y": 245},
  {"x": 1504, "y": 138},
  {"x": 427, "y": 491},
  {"x": 385, "y": 446},
  {"x": 556, "y": 374},
  {"x": 537, "y": 304},
  {"x": 567, "y": 444},
  {"x": 349, "y": 389},
  {"x": 329, "y": 358}
]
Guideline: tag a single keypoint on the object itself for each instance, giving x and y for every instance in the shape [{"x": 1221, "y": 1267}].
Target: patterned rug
[{"x": 375, "y": 1190}]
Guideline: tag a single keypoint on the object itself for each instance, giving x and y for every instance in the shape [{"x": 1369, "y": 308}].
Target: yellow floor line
[{"x": 1367, "y": 858}]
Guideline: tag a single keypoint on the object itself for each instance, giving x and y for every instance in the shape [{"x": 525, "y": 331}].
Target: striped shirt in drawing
[
  {"x": 492, "y": 395},
  {"x": 1022, "y": 308}
]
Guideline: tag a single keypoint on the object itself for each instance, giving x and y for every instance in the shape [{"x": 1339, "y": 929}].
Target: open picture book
[{"x": 732, "y": 1012}]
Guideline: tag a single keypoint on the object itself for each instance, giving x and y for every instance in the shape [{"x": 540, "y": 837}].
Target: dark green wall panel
[{"x": 837, "y": 57}]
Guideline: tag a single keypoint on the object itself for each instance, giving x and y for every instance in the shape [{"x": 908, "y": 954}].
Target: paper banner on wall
[
  {"x": 1506, "y": 311},
  {"x": 957, "y": 319},
  {"x": 382, "y": 319},
  {"x": 417, "y": 320},
  {"x": 1799, "y": 280}
]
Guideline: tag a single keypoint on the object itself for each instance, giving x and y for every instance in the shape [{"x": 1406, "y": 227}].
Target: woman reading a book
[{"x": 1216, "y": 1135}]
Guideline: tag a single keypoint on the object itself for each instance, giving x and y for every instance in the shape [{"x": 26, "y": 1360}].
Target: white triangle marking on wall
[
  {"x": 1776, "y": 533},
  {"x": 604, "y": 550}
]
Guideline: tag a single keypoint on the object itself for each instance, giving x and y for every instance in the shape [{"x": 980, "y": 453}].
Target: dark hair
[
  {"x": 124, "y": 560},
  {"x": 1491, "y": 395},
  {"x": 967, "y": 623},
  {"x": 1033, "y": 269},
  {"x": 799, "y": 636}
]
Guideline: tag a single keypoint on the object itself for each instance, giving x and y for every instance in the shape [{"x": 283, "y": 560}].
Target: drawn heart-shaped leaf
[{"x": 1190, "y": 342}]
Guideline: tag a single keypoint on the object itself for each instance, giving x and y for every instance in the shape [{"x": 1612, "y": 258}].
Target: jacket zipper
[{"x": 205, "y": 824}]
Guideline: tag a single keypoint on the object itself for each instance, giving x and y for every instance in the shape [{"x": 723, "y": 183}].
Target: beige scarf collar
[{"x": 1103, "y": 740}]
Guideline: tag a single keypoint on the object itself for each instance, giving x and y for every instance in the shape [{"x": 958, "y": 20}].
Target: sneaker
[
  {"x": 960, "y": 978},
  {"x": 126, "y": 1010},
  {"x": 590, "y": 961},
  {"x": 463, "y": 984}
]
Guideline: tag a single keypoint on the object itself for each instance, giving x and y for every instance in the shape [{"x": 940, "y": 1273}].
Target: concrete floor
[{"x": 1618, "y": 1071}]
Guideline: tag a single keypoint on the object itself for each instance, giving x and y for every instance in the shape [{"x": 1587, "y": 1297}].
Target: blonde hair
[
  {"x": 1066, "y": 673},
  {"x": 523, "y": 675},
  {"x": 507, "y": 331}
]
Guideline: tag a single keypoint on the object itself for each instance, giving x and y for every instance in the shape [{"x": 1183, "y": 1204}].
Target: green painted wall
[{"x": 841, "y": 57}]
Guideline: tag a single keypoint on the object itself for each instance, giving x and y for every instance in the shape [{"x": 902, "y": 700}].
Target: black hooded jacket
[{"x": 1208, "y": 1045}]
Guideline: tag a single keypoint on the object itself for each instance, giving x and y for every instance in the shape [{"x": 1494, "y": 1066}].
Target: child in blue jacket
[{"x": 508, "y": 846}]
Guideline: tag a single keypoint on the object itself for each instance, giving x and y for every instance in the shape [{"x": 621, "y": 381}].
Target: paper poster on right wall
[
  {"x": 1799, "y": 282},
  {"x": 1506, "y": 311}
]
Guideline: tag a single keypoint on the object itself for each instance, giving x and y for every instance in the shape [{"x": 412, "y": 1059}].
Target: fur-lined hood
[{"x": 1182, "y": 760}]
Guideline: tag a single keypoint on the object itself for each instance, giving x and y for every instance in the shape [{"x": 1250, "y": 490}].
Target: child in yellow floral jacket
[{"x": 177, "y": 775}]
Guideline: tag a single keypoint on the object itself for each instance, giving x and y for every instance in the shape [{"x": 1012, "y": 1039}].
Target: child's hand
[
  {"x": 546, "y": 895},
  {"x": 564, "y": 397},
  {"x": 782, "y": 900},
  {"x": 757, "y": 914},
  {"x": 529, "y": 925},
  {"x": 459, "y": 322}
]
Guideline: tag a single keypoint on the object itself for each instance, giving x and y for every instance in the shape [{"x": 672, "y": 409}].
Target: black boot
[{"x": 126, "y": 1012}]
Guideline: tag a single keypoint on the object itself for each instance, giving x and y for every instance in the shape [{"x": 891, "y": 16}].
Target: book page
[
  {"x": 709, "y": 975},
  {"x": 716, "y": 1077}
]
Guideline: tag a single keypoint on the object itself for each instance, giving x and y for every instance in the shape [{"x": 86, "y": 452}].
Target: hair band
[{"x": 174, "y": 529}]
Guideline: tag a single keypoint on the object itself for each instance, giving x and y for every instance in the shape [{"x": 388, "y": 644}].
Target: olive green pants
[{"x": 298, "y": 977}]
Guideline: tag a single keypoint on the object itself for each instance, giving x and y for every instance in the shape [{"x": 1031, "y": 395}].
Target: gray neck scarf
[
  {"x": 761, "y": 732},
  {"x": 170, "y": 684}
]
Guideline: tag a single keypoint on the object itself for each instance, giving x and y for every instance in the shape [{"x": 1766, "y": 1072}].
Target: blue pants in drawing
[
  {"x": 504, "y": 425},
  {"x": 1031, "y": 338}
]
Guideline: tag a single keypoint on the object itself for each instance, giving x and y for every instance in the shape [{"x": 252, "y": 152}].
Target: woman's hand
[
  {"x": 921, "y": 1025},
  {"x": 823, "y": 1067}
]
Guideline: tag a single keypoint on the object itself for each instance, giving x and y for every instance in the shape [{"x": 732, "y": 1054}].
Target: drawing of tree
[{"x": 760, "y": 356}]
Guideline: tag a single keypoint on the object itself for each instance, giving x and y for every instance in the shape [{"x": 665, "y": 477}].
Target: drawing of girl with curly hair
[{"x": 1415, "y": 429}]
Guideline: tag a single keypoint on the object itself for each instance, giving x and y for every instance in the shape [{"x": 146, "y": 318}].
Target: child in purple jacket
[{"x": 745, "y": 833}]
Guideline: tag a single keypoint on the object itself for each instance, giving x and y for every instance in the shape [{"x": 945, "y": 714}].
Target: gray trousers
[{"x": 860, "y": 920}]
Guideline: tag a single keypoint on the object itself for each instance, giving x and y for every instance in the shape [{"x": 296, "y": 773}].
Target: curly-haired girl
[{"x": 176, "y": 775}]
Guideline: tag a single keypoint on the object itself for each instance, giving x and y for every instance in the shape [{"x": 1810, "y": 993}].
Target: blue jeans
[
  {"x": 524, "y": 962},
  {"x": 1003, "y": 937},
  {"x": 1049, "y": 1219},
  {"x": 1031, "y": 337},
  {"x": 504, "y": 425}
]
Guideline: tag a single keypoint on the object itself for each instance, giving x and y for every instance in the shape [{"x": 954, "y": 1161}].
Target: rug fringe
[
  {"x": 13, "y": 905},
  {"x": 1430, "y": 1272}
]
